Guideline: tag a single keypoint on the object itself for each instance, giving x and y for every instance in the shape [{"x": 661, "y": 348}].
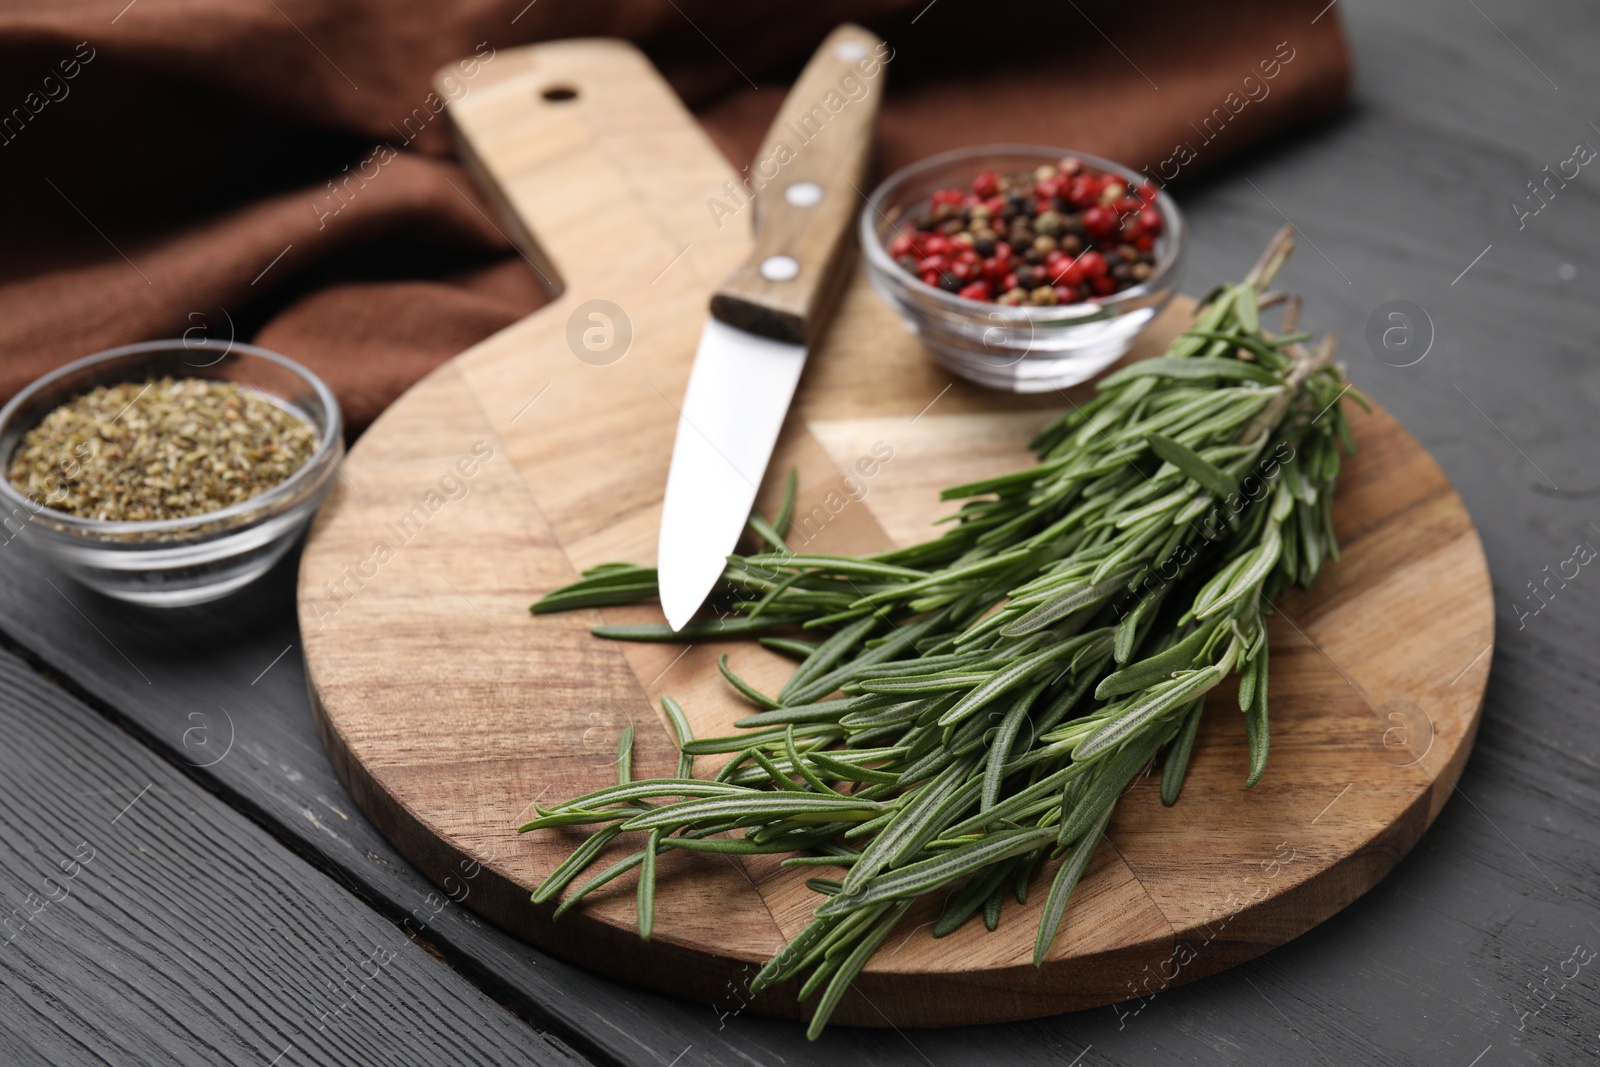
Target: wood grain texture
[
  {"x": 820, "y": 140},
  {"x": 448, "y": 710},
  {"x": 147, "y": 922}
]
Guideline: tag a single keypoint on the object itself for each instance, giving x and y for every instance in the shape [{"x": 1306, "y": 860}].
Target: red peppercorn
[
  {"x": 1013, "y": 237},
  {"x": 1099, "y": 221}
]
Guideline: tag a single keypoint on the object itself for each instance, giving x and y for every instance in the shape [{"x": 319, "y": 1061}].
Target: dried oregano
[{"x": 161, "y": 449}]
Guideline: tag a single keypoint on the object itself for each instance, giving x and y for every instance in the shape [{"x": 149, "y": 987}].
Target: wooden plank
[
  {"x": 220, "y": 691},
  {"x": 146, "y": 921}
]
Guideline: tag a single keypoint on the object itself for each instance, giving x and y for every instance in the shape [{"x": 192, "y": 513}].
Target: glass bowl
[
  {"x": 1021, "y": 349},
  {"x": 173, "y": 562}
]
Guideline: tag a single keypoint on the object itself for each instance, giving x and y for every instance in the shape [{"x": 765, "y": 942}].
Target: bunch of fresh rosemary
[{"x": 980, "y": 701}]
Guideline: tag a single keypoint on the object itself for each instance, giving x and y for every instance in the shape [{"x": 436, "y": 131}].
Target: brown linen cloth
[{"x": 164, "y": 163}]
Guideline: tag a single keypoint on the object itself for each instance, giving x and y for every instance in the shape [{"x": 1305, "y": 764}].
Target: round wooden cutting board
[{"x": 449, "y": 710}]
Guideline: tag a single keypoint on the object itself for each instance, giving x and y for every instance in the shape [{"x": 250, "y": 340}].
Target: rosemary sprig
[{"x": 977, "y": 703}]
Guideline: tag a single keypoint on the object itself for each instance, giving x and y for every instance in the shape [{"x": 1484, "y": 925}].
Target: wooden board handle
[
  {"x": 806, "y": 187},
  {"x": 595, "y": 170}
]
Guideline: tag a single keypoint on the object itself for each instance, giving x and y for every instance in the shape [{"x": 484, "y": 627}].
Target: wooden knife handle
[{"x": 805, "y": 190}]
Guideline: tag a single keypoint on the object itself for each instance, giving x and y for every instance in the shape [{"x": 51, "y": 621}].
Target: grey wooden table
[{"x": 185, "y": 880}]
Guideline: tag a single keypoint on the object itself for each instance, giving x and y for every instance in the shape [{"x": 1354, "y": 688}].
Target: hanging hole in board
[{"x": 560, "y": 94}]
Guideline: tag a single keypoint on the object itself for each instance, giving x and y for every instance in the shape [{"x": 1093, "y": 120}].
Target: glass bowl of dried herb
[{"x": 167, "y": 473}]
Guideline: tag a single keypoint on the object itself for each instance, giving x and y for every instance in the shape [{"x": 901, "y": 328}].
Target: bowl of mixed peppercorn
[
  {"x": 167, "y": 473},
  {"x": 1020, "y": 267}
]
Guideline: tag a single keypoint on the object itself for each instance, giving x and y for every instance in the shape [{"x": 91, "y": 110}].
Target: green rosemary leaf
[
  {"x": 823, "y": 711},
  {"x": 1255, "y": 723},
  {"x": 707, "y": 746},
  {"x": 1191, "y": 369},
  {"x": 837, "y": 565},
  {"x": 785, "y": 516},
  {"x": 1066, "y": 880},
  {"x": 617, "y": 869},
  {"x": 1158, "y": 668},
  {"x": 1004, "y": 739},
  {"x": 827, "y": 654},
  {"x": 705, "y": 630},
  {"x": 922, "y": 876},
  {"x": 803, "y": 767},
  {"x": 851, "y": 967},
  {"x": 755, "y": 809},
  {"x": 650, "y": 789},
  {"x": 850, "y": 772},
  {"x": 1067, "y": 603},
  {"x": 779, "y": 967},
  {"x": 1210, "y": 478},
  {"x": 573, "y": 865},
  {"x": 647, "y": 887},
  {"x": 1177, "y": 762},
  {"x": 1156, "y": 702},
  {"x": 683, "y": 732},
  {"x": 1097, "y": 799},
  {"x": 788, "y": 646},
  {"x": 625, "y": 756},
  {"x": 969, "y": 898},
  {"x": 748, "y": 691},
  {"x": 909, "y": 827}
]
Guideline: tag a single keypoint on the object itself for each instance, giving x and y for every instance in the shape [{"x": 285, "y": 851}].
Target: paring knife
[{"x": 803, "y": 193}]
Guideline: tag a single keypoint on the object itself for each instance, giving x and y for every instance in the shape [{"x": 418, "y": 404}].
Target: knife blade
[{"x": 804, "y": 186}]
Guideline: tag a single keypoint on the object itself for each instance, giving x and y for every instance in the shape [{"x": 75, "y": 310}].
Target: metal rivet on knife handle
[
  {"x": 779, "y": 268},
  {"x": 808, "y": 170},
  {"x": 803, "y": 194}
]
